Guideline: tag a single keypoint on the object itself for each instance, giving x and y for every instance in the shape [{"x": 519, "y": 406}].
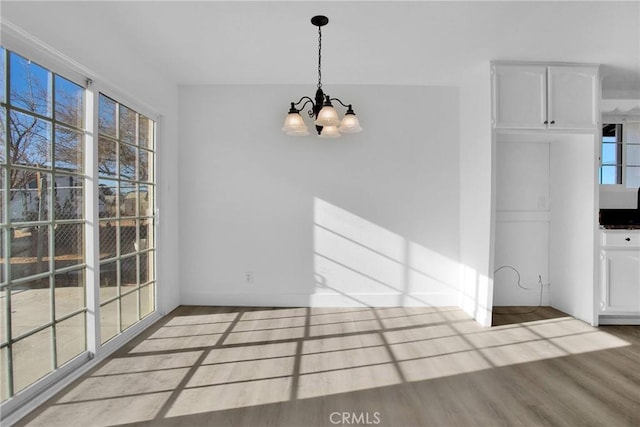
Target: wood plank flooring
[{"x": 239, "y": 366}]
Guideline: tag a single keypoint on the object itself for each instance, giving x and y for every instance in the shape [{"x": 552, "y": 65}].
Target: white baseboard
[
  {"x": 619, "y": 319},
  {"x": 320, "y": 300}
]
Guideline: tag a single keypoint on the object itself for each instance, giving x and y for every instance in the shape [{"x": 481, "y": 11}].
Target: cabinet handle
[
  {"x": 628, "y": 239},
  {"x": 553, "y": 122},
  {"x": 546, "y": 122}
]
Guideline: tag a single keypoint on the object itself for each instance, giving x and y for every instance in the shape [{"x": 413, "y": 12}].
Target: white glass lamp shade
[
  {"x": 328, "y": 116},
  {"x": 350, "y": 124},
  {"x": 294, "y": 123},
  {"x": 330, "y": 132}
]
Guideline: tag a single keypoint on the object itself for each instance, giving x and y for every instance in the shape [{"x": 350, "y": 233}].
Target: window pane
[
  {"x": 69, "y": 197},
  {"x": 3, "y": 134},
  {"x": 29, "y": 251},
  {"x": 3, "y": 276},
  {"x": 30, "y": 306},
  {"x": 610, "y": 154},
  {"x": 30, "y": 141},
  {"x": 128, "y": 272},
  {"x": 127, "y": 125},
  {"x": 633, "y": 155},
  {"x": 4, "y": 374},
  {"x": 109, "y": 320},
  {"x": 69, "y": 245},
  {"x": 69, "y": 292},
  {"x": 146, "y": 234},
  {"x": 108, "y": 239},
  {"x": 146, "y": 200},
  {"x": 29, "y": 196},
  {"x": 143, "y": 165},
  {"x": 146, "y": 267},
  {"x": 632, "y": 132},
  {"x": 147, "y": 302},
  {"x": 32, "y": 359},
  {"x": 108, "y": 198},
  {"x": 633, "y": 176},
  {"x": 107, "y": 165},
  {"x": 145, "y": 133},
  {"x": 128, "y": 199},
  {"x": 69, "y": 150},
  {"x": 127, "y": 161},
  {"x": 30, "y": 86},
  {"x": 609, "y": 175},
  {"x": 108, "y": 280},
  {"x": 2, "y": 219},
  {"x": 3, "y": 68},
  {"x": 69, "y": 98},
  {"x": 70, "y": 338},
  {"x": 4, "y": 292},
  {"x": 127, "y": 236},
  {"x": 107, "y": 116},
  {"x": 129, "y": 309}
]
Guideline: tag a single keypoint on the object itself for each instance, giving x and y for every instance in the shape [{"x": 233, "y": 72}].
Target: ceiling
[{"x": 386, "y": 43}]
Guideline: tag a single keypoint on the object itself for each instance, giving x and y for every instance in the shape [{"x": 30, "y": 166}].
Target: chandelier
[{"x": 327, "y": 122}]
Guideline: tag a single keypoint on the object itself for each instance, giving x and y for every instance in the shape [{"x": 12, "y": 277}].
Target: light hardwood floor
[{"x": 238, "y": 366}]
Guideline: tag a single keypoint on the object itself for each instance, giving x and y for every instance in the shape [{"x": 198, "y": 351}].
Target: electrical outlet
[{"x": 248, "y": 277}]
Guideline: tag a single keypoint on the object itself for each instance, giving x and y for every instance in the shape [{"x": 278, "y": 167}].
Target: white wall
[
  {"x": 573, "y": 225},
  {"x": 476, "y": 186},
  {"x": 522, "y": 221},
  {"x": 370, "y": 218}
]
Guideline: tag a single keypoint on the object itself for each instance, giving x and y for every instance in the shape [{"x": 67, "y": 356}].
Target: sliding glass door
[
  {"x": 43, "y": 229},
  {"x": 126, "y": 189}
]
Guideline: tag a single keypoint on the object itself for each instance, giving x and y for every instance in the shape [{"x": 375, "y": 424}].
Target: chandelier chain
[{"x": 319, "y": 57}]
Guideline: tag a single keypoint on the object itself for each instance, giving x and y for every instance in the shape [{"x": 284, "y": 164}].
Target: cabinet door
[
  {"x": 519, "y": 96},
  {"x": 621, "y": 281},
  {"x": 573, "y": 95}
]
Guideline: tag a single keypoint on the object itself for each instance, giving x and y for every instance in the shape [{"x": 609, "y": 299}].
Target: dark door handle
[
  {"x": 546, "y": 122},
  {"x": 553, "y": 122},
  {"x": 628, "y": 239}
]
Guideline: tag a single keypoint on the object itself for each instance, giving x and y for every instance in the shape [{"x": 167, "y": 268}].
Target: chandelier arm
[
  {"x": 306, "y": 99},
  {"x": 342, "y": 103}
]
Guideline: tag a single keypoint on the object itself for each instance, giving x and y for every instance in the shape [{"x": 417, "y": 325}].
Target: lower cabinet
[{"x": 620, "y": 277}]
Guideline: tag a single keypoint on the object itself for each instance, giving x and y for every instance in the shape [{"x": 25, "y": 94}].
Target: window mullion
[{"x": 92, "y": 246}]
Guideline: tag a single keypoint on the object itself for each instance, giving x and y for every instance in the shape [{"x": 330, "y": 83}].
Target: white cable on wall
[{"x": 519, "y": 284}]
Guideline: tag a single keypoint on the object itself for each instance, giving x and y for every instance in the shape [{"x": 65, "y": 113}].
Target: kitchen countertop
[{"x": 620, "y": 227}]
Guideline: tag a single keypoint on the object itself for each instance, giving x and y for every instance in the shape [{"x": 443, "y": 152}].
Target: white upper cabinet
[
  {"x": 519, "y": 94},
  {"x": 572, "y": 97},
  {"x": 538, "y": 96}
]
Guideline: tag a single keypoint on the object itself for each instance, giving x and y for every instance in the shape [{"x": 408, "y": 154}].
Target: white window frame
[{"x": 624, "y": 120}]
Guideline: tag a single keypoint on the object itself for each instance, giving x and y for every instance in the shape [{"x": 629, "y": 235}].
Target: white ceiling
[{"x": 406, "y": 43}]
